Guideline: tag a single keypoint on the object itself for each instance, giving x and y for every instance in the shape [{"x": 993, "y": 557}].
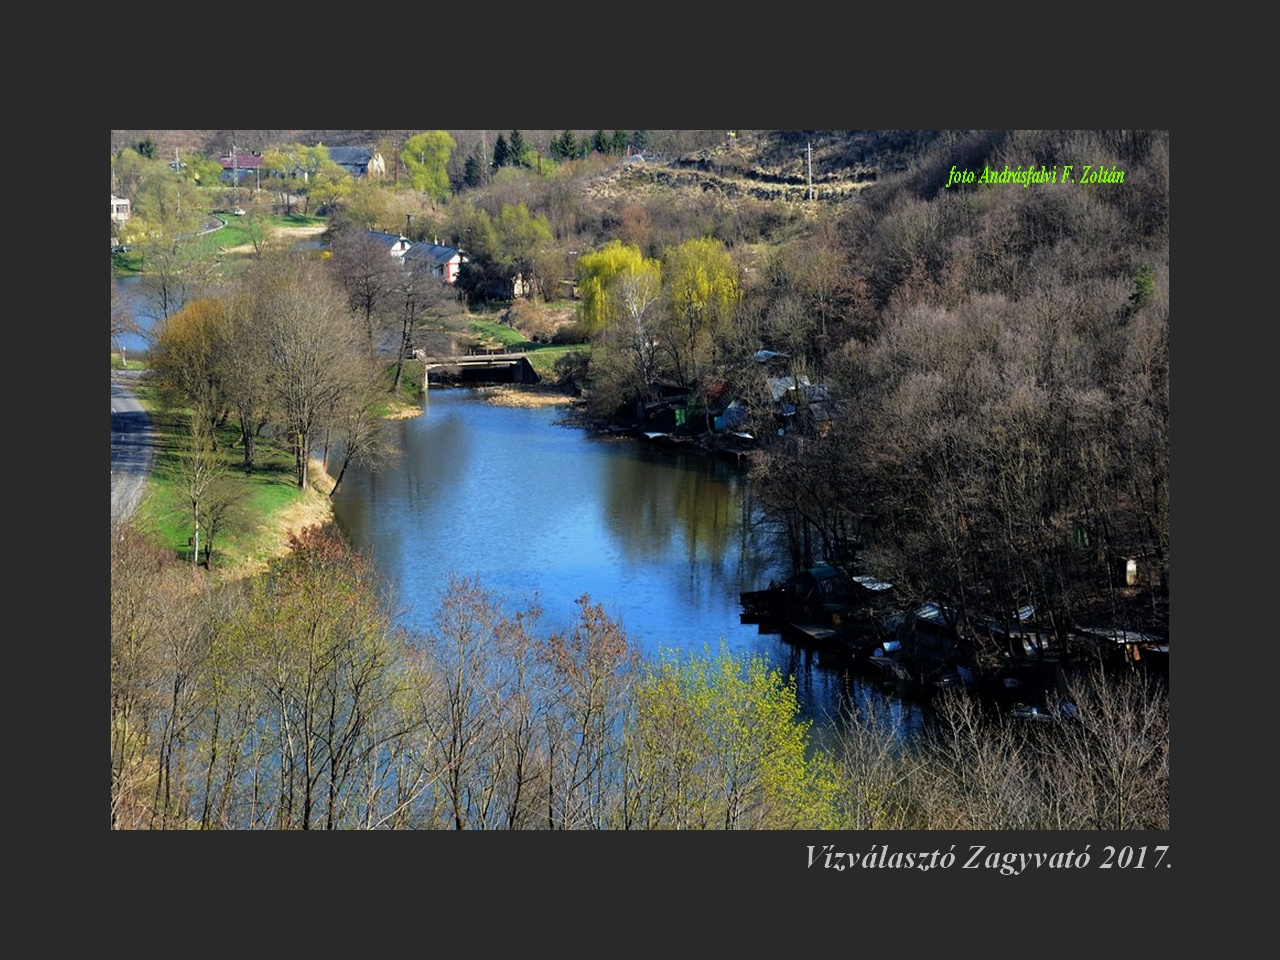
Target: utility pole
[{"x": 810, "y": 149}]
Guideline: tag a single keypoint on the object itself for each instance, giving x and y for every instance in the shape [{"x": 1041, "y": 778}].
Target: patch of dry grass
[
  {"x": 525, "y": 397},
  {"x": 272, "y": 538}
]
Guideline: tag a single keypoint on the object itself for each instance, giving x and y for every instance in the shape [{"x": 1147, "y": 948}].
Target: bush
[
  {"x": 571, "y": 333},
  {"x": 533, "y": 320},
  {"x": 571, "y": 370}
]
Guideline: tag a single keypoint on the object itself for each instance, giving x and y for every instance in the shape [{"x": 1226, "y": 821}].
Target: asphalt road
[{"x": 132, "y": 446}]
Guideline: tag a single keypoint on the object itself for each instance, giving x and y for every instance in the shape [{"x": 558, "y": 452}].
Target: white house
[
  {"x": 396, "y": 244},
  {"x": 121, "y": 209}
]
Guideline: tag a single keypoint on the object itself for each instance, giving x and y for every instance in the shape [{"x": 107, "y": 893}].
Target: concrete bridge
[{"x": 482, "y": 367}]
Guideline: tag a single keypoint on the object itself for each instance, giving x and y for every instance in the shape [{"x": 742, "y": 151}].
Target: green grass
[
  {"x": 410, "y": 387},
  {"x": 126, "y": 264},
  {"x": 251, "y": 534},
  {"x": 542, "y": 356},
  {"x": 116, "y": 364},
  {"x": 259, "y": 497},
  {"x": 237, "y": 232},
  {"x": 543, "y": 359},
  {"x": 502, "y": 335},
  {"x": 234, "y": 233}
]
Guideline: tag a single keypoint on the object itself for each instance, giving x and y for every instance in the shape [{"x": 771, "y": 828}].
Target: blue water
[
  {"x": 543, "y": 513},
  {"x": 134, "y": 344}
]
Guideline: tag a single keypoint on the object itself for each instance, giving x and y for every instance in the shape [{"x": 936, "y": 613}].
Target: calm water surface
[
  {"x": 545, "y": 513},
  {"x": 135, "y": 344}
]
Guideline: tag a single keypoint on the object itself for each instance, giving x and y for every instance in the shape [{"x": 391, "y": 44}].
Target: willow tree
[
  {"x": 703, "y": 292},
  {"x": 599, "y": 306},
  {"x": 426, "y": 157}
]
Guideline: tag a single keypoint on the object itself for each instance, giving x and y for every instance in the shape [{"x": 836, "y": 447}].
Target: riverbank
[{"x": 274, "y": 531}]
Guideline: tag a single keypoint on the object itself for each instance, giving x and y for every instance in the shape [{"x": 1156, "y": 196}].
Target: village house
[
  {"x": 397, "y": 244},
  {"x": 237, "y": 166},
  {"x": 360, "y": 162},
  {"x": 443, "y": 261}
]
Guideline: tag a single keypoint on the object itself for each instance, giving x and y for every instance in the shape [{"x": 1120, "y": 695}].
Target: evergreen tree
[
  {"x": 501, "y": 153},
  {"x": 473, "y": 171},
  {"x": 619, "y": 142},
  {"x": 146, "y": 148},
  {"x": 518, "y": 148},
  {"x": 599, "y": 142},
  {"x": 640, "y": 139},
  {"x": 565, "y": 146}
]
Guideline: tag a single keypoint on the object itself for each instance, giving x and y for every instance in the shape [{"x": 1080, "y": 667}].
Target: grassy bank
[
  {"x": 252, "y": 514},
  {"x": 542, "y": 356}
]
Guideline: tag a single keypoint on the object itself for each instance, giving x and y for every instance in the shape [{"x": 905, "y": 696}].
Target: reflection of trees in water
[
  {"x": 707, "y": 504},
  {"x": 388, "y": 506},
  {"x": 637, "y": 510},
  {"x": 437, "y": 451},
  {"x": 649, "y": 502}
]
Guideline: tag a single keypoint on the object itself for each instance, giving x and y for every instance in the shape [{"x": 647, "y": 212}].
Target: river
[
  {"x": 541, "y": 512},
  {"x": 143, "y": 313},
  {"x": 665, "y": 540}
]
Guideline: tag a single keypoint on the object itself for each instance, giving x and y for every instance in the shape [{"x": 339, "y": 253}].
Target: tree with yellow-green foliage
[
  {"x": 598, "y": 273},
  {"x": 703, "y": 292},
  {"x": 716, "y": 744},
  {"x": 293, "y": 163},
  {"x": 523, "y": 241},
  {"x": 426, "y": 157},
  {"x": 184, "y": 359},
  {"x": 622, "y": 302},
  {"x": 330, "y": 187}
]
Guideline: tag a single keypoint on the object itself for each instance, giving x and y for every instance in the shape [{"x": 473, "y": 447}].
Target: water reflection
[
  {"x": 144, "y": 312},
  {"x": 545, "y": 513},
  {"x": 677, "y": 509}
]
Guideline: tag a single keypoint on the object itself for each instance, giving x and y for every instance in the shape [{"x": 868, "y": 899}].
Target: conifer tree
[
  {"x": 518, "y": 148},
  {"x": 501, "y": 153}
]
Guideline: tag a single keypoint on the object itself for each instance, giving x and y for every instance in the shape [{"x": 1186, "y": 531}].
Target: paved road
[{"x": 132, "y": 446}]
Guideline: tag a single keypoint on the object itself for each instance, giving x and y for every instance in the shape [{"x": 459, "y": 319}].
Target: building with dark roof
[
  {"x": 443, "y": 261},
  {"x": 358, "y": 161}
]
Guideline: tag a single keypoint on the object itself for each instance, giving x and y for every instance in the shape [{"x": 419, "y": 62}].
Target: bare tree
[
  {"x": 309, "y": 335},
  {"x": 413, "y": 296},
  {"x": 1114, "y": 758},
  {"x": 366, "y": 272},
  {"x": 202, "y": 468},
  {"x": 354, "y": 425},
  {"x": 593, "y": 670}
]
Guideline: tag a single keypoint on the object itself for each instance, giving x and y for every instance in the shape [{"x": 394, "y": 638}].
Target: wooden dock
[{"x": 815, "y": 632}]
